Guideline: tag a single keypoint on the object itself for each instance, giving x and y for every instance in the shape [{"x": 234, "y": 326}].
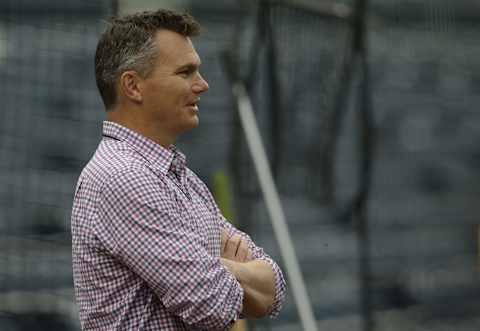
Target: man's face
[{"x": 171, "y": 91}]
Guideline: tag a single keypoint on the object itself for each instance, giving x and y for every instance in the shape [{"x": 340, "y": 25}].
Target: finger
[
  {"x": 231, "y": 247},
  {"x": 242, "y": 251},
  {"x": 223, "y": 240}
]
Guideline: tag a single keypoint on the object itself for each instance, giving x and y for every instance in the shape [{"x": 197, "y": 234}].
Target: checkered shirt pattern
[{"x": 146, "y": 242}]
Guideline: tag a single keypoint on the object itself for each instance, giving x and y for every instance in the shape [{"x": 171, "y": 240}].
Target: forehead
[{"x": 175, "y": 49}]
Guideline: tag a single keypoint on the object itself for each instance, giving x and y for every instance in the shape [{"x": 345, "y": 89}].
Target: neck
[{"x": 142, "y": 126}]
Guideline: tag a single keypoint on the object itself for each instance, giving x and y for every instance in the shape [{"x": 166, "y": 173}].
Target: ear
[{"x": 130, "y": 86}]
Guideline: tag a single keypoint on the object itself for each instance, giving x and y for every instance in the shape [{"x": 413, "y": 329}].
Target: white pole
[{"x": 274, "y": 207}]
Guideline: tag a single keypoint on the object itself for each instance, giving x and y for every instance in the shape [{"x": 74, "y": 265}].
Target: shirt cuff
[
  {"x": 280, "y": 288},
  {"x": 238, "y": 308}
]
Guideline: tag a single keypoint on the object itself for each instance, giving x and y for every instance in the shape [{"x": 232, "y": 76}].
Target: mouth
[{"x": 194, "y": 104}]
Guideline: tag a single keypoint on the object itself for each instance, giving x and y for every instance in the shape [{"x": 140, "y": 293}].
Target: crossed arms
[
  {"x": 255, "y": 276},
  {"x": 159, "y": 242}
]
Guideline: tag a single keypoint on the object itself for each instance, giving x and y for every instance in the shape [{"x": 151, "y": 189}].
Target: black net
[
  {"x": 306, "y": 87},
  {"x": 424, "y": 60},
  {"x": 50, "y": 124},
  {"x": 310, "y": 91}
]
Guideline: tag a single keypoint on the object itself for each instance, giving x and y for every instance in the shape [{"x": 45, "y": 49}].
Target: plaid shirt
[{"x": 146, "y": 242}]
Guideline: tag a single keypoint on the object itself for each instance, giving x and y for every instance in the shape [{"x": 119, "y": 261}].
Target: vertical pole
[
  {"x": 114, "y": 7},
  {"x": 478, "y": 244},
  {"x": 362, "y": 213},
  {"x": 275, "y": 104},
  {"x": 360, "y": 210}
]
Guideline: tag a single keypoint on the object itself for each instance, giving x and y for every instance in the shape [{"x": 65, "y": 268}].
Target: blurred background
[{"x": 368, "y": 111}]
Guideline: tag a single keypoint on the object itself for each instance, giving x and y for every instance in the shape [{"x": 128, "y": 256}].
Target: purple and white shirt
[{"x": 146, "y": 242}]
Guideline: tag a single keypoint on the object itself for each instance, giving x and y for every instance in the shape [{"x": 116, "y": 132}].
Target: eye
[{"x": 185, "y": 73}]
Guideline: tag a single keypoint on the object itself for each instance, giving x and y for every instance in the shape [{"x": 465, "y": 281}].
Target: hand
[
  {"x": 258, "y": 282},
  {"x": 229, "y": 264},
  {"x": 234, "y": 248}
]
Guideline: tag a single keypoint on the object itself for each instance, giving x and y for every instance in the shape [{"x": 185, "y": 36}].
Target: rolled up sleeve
[
  {"x": 259, "y": 254},
  {"x": 144, "y": 228}
]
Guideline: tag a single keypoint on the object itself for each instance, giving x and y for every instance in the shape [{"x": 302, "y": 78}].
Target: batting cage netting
[
  {"x": 369, "y": 114},
  {"x": 49, "y": 126}
]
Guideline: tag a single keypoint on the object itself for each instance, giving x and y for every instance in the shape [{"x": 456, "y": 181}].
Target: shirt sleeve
[
  {"x": 257, "y": 252},
  {"x": 143, "y": 226}
]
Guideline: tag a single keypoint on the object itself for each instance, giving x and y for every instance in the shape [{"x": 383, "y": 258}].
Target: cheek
[
  {"x": 152, "y": 95},
  {"x": 183, "y": 96}
]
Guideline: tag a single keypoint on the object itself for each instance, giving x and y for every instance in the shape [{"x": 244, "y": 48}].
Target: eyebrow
[{"x": 189, "y": 66}]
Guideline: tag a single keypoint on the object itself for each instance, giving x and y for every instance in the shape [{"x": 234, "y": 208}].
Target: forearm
[{"x": 258, "y": 282}]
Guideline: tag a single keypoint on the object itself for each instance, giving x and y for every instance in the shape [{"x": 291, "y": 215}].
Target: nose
[{"x": 200, "y": 85}]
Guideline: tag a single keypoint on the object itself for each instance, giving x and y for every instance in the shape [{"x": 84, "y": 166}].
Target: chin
[
  {"x": 195, "y": 123},
  {"x": 190, "y": 125},
  {"x": 195, "y": 120}
]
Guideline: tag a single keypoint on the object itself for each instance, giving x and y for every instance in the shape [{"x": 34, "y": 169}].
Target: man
[{"x": 151, "y": 250}]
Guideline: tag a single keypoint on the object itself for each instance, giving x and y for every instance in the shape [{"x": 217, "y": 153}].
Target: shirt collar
[{"x": 161, "y": 158}]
